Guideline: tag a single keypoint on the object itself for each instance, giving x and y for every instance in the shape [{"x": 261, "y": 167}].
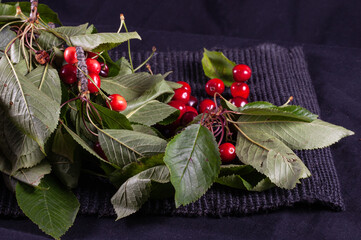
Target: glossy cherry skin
[
  {"x": 178, "y": 105},
  {"x": 117, "y": 102},
  {"x": 238, "y": 101},
  {"x": 228, "y": 152},
  {"x": 93, "y": 66},
  {"x": 68, "y": 74},
  {"x": 185, "y": 86},
  {"x": 213, "y": 86},
  {"x": 206, "y": 105},
  {"x": 104, "y": 71},
  {"x": 182, "y": 95},
  {"x": 191, "y": 109},
  {"x": 91, "y": 87},
  {"x": 93, "y": 55},
  {"x": 240, "y": 89},
  {"x": 188, "y": 118},
  {"x": 70, "y": 55},
  {"x": 192, "y": 102},
  {"x": 98, "y": 149},
  {"x": 241, "y": 73}
]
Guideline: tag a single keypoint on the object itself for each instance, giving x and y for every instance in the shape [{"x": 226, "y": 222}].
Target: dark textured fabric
[{"x": 278, "y": 73}]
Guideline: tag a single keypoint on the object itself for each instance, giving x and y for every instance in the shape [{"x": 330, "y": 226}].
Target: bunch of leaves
[{"x": 47, "y": 140}]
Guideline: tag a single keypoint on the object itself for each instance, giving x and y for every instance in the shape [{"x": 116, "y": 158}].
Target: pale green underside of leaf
[
  {"x": 216, "y": 65},
  {"x": 102, "y": 41},
  {"x": 47, "y": 80},
  {"x": 279, "y": 163},
  {"x": 151, "y": 113},
  {"x": 48, "y": 40},
  {"x": 130, "y": 86},
  {"x": 297, "y": 135},
  {"x": 136, "y": 190},
  {"x": 194, "y": 162},
  {"x": 32, "y": 111},
  {"x": 52, "y": 207},
  {"x": 144, "y": 129},
  {"x": 123, "y": 146},
  {"x": 160, "y": 91},
  {"x": 236, "y": 181},
  {"x": 6, "y": 35}
]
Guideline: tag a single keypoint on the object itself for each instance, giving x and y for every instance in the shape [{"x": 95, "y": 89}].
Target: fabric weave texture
[{"x": 277, "y": 73}]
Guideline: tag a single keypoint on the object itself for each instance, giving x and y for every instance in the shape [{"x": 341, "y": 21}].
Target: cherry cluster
[
  {"x": 187, "y": 104},
  {"x": 95, "y": 69}
]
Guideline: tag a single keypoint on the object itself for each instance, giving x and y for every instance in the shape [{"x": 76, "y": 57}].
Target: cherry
[
  {"x": 93, "y": 55},
  {"x": 98, "y": 149},
  {"x": 178, "y": 105},
  {"x": 206, "y": 105},
  {"x": 188, "y": 117},
  {"x": 93, "y": 66},
  {"x": 238, "y": 101},
  {"x": 240, "y": 89},
  {"x": 104, "y": 71},
  {"x": 228, "y": 152},
  {"x": 192, "y": 102},
  {"x": 117, "y": 102},
  {"x": 191, "y": 109},
  {"x": 214, "y": 85},
  {"x": 182, "y": 95},
  {"x": 70, "y": 55},
  {"x": 241, "y": 73},
  {"x": 185, "y": 86},
  {"x": 68, "y": 74},
  {"x": 91, "y": 87}
]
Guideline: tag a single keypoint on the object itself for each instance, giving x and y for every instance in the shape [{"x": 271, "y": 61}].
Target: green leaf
[
  {"x": 296, "y": 135},
  {"x": 268, "y": 109},
  {"x": 46, "y": 79},
  {"x": 145, "y": 129},
  {"x": 30, "y": 110},
  {"x": 102, "y": 41},
  {"x": 51, "y": 206},
  {"x": 123, "y": 146},
  {"x": 6, "y": 35},
  {"x": 119, "y": 176},
  {"x": 45, "y": 12},
  {"x": 216, "y": 65},
  {"x": 151, "y": 113},
  {"x": 124, "y": 66},
  {"x": 112, "y": 119},
  {"x": 174, "y": 85},
  {"x": 136, "y": 190},
  {"x": 48, "y": 40},
  {"x": 194, "y": 162},
  {"x": 160, "y": 91},
  {"x": 273, "y": 158},
  {"x": 130, "y": 86}
]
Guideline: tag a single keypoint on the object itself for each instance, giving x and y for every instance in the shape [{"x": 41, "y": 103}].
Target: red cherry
[
  {"x": 178, "y": 105},
  {"x": 93, "y": 66},
  {"x": 240, "y": 89},
  {"x": 70, "y": 55},
  {"x": 104, "y": 71},
  {"x": 98, "y": 149},
  {"x": 93, "y": 55},
  {"x": 241, "y": 73},
  {"x": 188, "y": 118},
  {"x": 238, "y": 101},
  {"x": 117, "y": 102},
  {"x": 228, "y": 152},
  {"x": 182, "y": 95},
  {"x": 191, "y": 109},
  {"x": 68, "y": 74},
  {"x": 185, "y": 86},
  {"x": 206, "y": 105},
  {"x": 192, "y": 102},
  {"x": 213, "y": 86},
  {"x": 91, "y": 87}
]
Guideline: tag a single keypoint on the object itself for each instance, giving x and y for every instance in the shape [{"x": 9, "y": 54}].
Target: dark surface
[{"x": 335, "y": 71}]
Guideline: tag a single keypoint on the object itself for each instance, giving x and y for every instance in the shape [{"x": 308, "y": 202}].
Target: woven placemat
[{"x": 278, "y": 73}]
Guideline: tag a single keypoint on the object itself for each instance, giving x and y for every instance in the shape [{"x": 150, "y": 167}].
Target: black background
[{"x": 330, "y": 32}]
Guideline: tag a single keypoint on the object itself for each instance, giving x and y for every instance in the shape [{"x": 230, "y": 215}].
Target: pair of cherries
[{"x": 95, "y": 70}]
